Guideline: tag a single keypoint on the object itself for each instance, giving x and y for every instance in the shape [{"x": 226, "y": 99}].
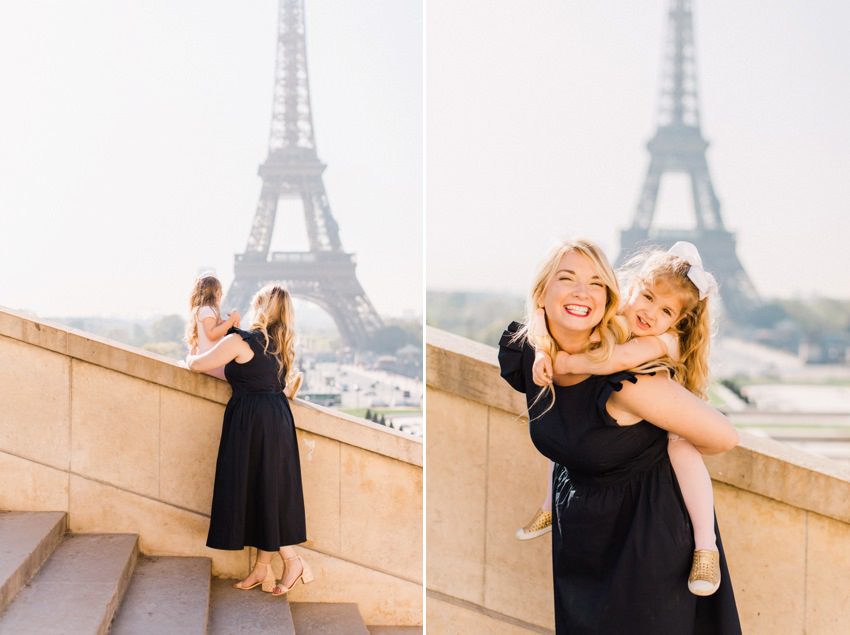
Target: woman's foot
[
  {"x": 295, "y": 569},
  {"x": 261, "y": 574},
  {"x": 705, "y": 572}
]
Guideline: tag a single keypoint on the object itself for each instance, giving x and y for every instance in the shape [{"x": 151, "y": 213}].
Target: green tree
[
  {"x": 767, "y": 315},
  {"x": 139, "y": 336},
  {"x": 168, "y": 328},
  {"x": 388, "y": 339}
]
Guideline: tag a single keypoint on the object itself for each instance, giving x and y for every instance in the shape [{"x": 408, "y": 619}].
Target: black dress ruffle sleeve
[{"x": 511, "y": 354}]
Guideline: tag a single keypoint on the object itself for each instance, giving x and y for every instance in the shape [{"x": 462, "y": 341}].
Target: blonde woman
[
  {"x": 621, "y": 536},
  {"x": 257, "y": 497},
  {"x": 667, "y": 314}
]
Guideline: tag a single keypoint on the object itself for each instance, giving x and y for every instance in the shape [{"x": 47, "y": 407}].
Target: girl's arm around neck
[
  {"x": 226, "y": 350},
  {"x": 664, "y": 403},
  {"x": 632, "y": 354}
]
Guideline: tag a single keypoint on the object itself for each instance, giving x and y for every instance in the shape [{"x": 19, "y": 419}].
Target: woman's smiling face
[{"x": 575, "y": 296}]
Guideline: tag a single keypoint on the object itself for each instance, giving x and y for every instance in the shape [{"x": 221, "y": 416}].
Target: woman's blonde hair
[
  {"x": 608, "y": 333},
  {"x": 205, "y": 292},
  {"x": 693, "y": 327},
  {"x": 274, "y": 318}
]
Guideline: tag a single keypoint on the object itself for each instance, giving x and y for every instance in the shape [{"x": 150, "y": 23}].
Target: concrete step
[
  {"x": 26, "y": 540},
  {"x": 77, "y": 590},
  {"x": 234, "y": 611},
  {"x": 319, "y": 618},
  {"x": 166, "y": 595},
  {"x": 395, "y": 630}
]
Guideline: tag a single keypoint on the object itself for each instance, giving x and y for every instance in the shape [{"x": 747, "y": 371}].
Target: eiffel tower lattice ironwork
[
  {"x": 678, "y": 146},
  {"x": 324, "y": 275}
]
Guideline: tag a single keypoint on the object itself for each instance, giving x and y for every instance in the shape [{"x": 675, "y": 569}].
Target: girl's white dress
[{"x": 204, "y": 343}]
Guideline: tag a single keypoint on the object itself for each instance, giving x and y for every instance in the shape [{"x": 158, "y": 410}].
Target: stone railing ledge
[
  {"x": 776, "y": 470},
  {"x": 468, "y": 369},
  {"x": 759, "y": 464},
  {"x": 169, "y": 373}
]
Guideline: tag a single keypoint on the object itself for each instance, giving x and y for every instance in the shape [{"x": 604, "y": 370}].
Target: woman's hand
[
  {"x": 541, "y": 371},
  {"x": 233, "y": 318},
  {"x": 293, "y": 386}
]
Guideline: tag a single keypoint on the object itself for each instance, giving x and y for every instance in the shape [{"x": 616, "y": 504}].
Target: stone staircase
[{"x": 53, "y": 582}]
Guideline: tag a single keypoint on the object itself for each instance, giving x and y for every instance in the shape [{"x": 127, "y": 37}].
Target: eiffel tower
[
  {"x": 325, "y": 274},
  {"x": 678, "y": 146}
]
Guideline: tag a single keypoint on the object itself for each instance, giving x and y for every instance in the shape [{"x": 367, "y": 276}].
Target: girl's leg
[
  {"x": 547, "y": 502},
  {"x": 695, "y": 483}
]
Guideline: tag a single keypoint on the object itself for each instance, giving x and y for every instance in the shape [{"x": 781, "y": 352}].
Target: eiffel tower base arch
[
  {"x": 327, "y": 279},
  {"x": 717, "y": 249}
]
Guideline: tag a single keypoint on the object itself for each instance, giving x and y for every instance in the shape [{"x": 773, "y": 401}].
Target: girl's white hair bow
[{"x": 703, "y": 281}]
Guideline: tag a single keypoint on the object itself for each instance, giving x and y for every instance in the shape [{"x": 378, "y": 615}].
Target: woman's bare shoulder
[
  {"x": 664, "y": 403},
  {"x": 648, "y": 388},
  {"x": 656, "y": 380}
]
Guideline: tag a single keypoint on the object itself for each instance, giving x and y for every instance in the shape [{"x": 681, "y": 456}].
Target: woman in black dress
[
  {"x": 621, "y": 536},
  {"x": 257, "y": 497}
]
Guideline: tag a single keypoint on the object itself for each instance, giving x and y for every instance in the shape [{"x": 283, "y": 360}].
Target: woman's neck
[{"x": 572, "y": 341}]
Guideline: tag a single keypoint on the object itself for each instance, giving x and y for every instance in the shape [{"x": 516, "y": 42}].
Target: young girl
[
  {"x": 667, "y": 315},
  {"x": 205, "y": 326}
]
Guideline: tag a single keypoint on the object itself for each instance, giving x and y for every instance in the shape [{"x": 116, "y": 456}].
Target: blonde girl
[{"x": 205, "y": 326}]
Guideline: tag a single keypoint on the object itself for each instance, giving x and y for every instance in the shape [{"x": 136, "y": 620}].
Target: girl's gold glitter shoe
[
  {"x": 705, "y": 572},
  {"x": 539, "y": 524}
]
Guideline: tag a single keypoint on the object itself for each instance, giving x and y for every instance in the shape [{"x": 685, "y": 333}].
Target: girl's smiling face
[
  {"x": 652, "y": 310},
  {"x": 575, "y": 296}
]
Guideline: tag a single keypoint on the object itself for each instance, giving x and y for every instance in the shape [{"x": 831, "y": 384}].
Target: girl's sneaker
[
  {"x": 539, "y": 524},
  {"x": 705, "y": 572}
]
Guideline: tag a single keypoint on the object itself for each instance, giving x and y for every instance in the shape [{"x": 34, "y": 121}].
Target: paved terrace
[
  {"x": 784, "y": 515},
  {"x": 125, "y": 442}
]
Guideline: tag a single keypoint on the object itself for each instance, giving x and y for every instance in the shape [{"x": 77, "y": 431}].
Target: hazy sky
[
  {"x": 538, "y": 114},
  {"x": 131, "y": 132}
]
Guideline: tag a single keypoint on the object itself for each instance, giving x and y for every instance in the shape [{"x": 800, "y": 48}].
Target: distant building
[
  {"x": 328, "y": 399},
  {"x": 825, "y": 349}
]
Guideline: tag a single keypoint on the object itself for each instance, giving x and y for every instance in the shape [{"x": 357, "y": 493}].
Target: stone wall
[
  {"x": 126, "y": 441},
  {"x": 784, "y": 515}
]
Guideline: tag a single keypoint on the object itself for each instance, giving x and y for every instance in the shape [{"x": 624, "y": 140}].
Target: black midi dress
[
  {"x": 622, "y": 541},
  {"x": 257, "y": 496}
]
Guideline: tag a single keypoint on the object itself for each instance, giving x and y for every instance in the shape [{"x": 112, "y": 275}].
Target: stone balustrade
[
  {"x": 126, "y": 441},
  {"x": 784, "y": 514}
]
